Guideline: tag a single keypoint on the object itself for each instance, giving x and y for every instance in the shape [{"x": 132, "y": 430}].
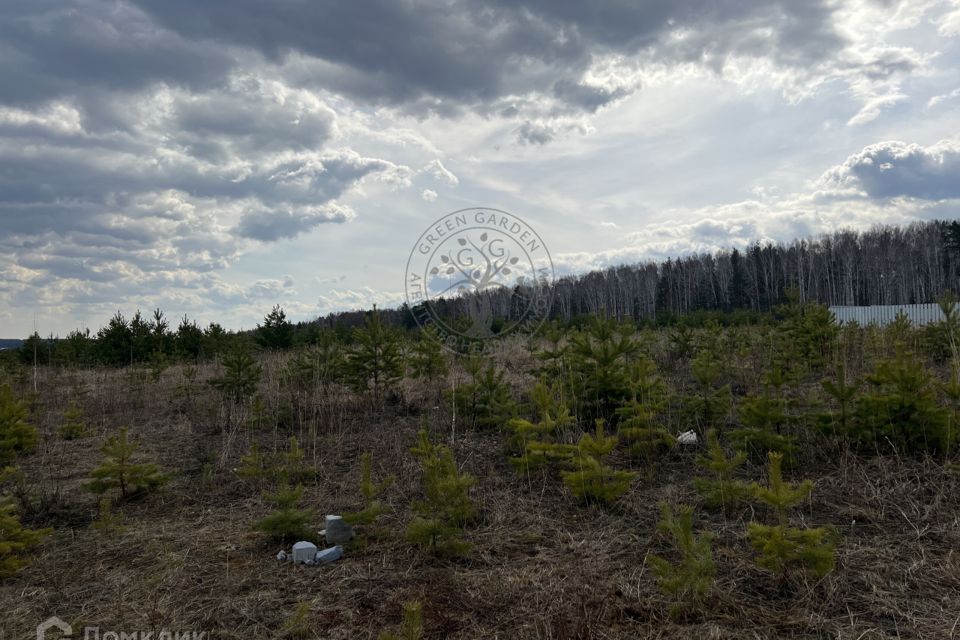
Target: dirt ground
[{"x": 542, "y": 564}]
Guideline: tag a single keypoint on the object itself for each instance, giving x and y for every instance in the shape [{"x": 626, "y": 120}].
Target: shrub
[
  {"x": 690, "y": 580},
  {"x": 119, "y": 472},
  {"x": 17, "y": 436},
  {"x": 287, "y": 523},
  {"x": 780, "y": 547},
  {"x": 446, "y": 507},
  {"x": 15, "y": 540},
  {"x": 592, "y": 480}
]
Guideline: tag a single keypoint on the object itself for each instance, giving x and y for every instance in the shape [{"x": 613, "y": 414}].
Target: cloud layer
[{"x": 171, "y": 152}]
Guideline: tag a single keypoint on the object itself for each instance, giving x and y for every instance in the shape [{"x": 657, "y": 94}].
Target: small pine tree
[
  {"x": 108, "y": 523},
  {"x": 593, "y": 481},
  {"x": 781, "y": 547},
  {"x": 158, "y": 364},
  {"x": 844, "y": 394},
  {"x": 241, "y": 373},
  {"x": 711, "y": 401},
  {"x": 598, "y": 356},
  {"x": 276, "y": 332},
  {"x": 952, "y": 392},
  {"x": 486, "y": 400},
  {"x": 319, "y": 365},
  {"x": 412, "y": 626},
  {"x": 900, "y": 408},
  {"x": 681, "y": 342},
  {"x": 554, "y": 357},
  {"x": 941, "y": 338},
  {"x": 638, "y": 426},
  {"x": 375, "y": 361},
  {"x": 119, "y": 472},
  {"x": 298, "y": 626},
  {"x": 690, "y": 580},
  {"x": 17, "y": 436},
  {"x": 15, "y": 540},
  {"x": 371, "y": 491},
  {"x": 73, "y": 426},
  {"x": 253, "y": 465},
  {"x": 292, "y": 466},
  {"x": 287, "y": 523},
  {"x": 721, "y": 491},
  {"x": 763, "y": 417},
  {"x": 538, "y": 443},
  {"x": 447, "y": 507},
  {"x": 426, "y": 356}
]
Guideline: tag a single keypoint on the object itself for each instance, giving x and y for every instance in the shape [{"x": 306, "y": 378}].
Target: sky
[{"x": 216, "y": 158}]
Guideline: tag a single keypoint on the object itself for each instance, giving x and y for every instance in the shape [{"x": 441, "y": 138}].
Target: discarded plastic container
[
  {"x": 329, "y": 555},
  {"x": 338, "y": 530},
  {"x": 304, "y": 552},
  {"x": 687, "y": 437}
]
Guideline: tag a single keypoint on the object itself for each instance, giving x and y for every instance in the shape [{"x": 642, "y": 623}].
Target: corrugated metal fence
[{"x": 883, "y": 314}]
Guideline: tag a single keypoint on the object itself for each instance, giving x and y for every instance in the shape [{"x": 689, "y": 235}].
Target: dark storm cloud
[
  {"x": 897, "y": 169},
  {"x": 471, "y": 52},
  {"x": 51, "y": 48}
]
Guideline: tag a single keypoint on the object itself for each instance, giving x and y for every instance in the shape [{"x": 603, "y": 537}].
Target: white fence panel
[{"x": 883, "y": 314}]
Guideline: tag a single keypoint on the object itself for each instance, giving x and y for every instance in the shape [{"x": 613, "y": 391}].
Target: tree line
[{"x": 883, "y": 265}]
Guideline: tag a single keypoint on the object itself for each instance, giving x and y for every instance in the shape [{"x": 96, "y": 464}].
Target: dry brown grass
[{"x": 542, "y": 565}]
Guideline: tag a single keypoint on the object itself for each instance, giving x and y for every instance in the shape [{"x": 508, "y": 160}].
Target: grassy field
[{"x": 542, "y": 564}]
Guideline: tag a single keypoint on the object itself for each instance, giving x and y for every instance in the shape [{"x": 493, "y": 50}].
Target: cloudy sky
[{"x": 215, "y": 158}]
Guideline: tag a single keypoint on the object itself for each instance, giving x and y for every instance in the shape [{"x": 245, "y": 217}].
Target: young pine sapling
[
  {"x": 689, "y": 580},
  {"x": 780, "y": 547}
]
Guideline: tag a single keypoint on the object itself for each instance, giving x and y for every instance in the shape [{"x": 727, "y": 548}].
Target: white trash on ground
[
  {"x": 329, "y": 555},
  {"x": 687, "y": 437},
  {"x": 338, "y": 530},
  {"x": 307, "y": 553},
  {"x": 304, "y": 552}
]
